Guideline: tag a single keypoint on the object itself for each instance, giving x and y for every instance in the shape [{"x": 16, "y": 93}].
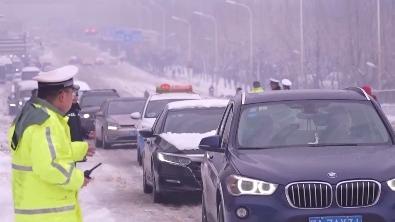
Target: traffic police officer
[{"x": 45, "y": 181}]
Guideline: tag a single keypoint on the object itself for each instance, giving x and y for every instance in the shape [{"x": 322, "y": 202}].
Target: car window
[
  {"x": 158, "y": 123},
  {"x": 95, "y": 99},
  {"x": 310, "y": 122},
  {"x": 226, "y": 131},
  {"x": 125, "y": 107},
  {"x": 193, "y": 120},
  {"x": 28, "y": 75},
  {"x": 155, "y": 107},
  {"x": 223, "y": 120}
]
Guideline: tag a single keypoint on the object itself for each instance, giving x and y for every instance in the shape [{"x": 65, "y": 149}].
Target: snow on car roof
[
  {"x": 27, "y": 85},
  {"x": 203, "y": 103},
  {"x": 83, "y": 85},
  {"x": 30, "y": 69},
  {"x": 186, "y": 141},
  {"x": 166, "y": 96}
]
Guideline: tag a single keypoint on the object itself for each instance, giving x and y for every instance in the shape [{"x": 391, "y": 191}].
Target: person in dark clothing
[
  {"x": 77, "y": 133},
  {"x": 275, "y": 84}
]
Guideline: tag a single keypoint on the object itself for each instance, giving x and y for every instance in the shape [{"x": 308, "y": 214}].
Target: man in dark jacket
[{"x": 77, "y": 133}]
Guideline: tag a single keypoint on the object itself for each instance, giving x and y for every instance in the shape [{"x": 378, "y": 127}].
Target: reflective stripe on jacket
[{"x": 45, "y": 181}]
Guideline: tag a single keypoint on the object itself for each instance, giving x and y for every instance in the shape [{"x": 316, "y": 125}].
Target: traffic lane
[{"x": 116, "y": 192}]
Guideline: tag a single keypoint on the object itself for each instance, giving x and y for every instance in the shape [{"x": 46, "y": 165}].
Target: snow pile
[
  {"x": 204, "y": 103},
  {"x": 186, "y": 141}
]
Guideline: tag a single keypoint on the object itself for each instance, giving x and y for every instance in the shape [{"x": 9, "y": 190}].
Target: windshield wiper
[{"x": 332, "y": 144}]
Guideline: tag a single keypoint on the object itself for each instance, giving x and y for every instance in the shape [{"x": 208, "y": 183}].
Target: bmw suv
[{"x": 300, "y": 156}]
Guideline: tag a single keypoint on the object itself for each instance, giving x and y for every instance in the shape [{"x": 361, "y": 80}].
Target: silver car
[{"x": 113, "y": 123}]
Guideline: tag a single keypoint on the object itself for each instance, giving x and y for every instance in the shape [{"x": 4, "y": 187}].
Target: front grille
[
  {"x": 358, "y": 193},
  {"x": 309, "y": 195}
]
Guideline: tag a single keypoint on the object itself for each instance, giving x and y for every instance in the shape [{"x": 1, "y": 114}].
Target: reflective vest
[
  {"x": 257, "y": 90},
  {"x": 45, "y": 181}
]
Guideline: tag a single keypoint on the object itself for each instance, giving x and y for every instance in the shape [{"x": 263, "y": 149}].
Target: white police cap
[
  {"x": 286, "y": 82},
  {"x": 274, "y": 80},
  {"x": 57, "y": 78}
]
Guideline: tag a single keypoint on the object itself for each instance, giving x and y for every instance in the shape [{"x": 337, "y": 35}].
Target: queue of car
[{"x": 294, "y": 156}]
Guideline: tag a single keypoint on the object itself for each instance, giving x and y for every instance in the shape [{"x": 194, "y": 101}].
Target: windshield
[
  {"x": 155, "y": 107},
  {"x": 310, "y": 123},
  {"x": 25, "y": 94},
  {"x": 125, "y": 107},
  {"x": 95, "y": 100},
  {"x": 193, "y": 120},
  {"x": 28, "y": 75}
]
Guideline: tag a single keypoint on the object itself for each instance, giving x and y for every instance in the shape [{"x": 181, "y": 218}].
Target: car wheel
[
  {"x": 139, "y": 158},
  {"x": 98, "y": 142},
  {"x": 146, "y": 188},
  {"x": 220, "y": 212},
  {"x": 156, "y": 194},
  {"x": 204, "y": 212},
  {"x": 106, "y": 145}
]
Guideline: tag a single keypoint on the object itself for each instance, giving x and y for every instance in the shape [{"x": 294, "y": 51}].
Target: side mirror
[
  {"x": 146, "y": 133},
  {"x": 135, "y": 115},
  {"x": 211, "y": 144}
]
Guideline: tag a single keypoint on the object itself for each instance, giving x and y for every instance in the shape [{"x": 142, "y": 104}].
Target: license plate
[{"x": 355, "y": 218}]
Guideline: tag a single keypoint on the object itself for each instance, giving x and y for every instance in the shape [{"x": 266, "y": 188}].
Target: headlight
[
  {"x": 112, "y": 127},
  {"x": 173, "y": 159},
  {"x": 12, "y": 105},
  {"x": 238, "y": 185},
  {"x": 391, "y": 184},
  {"x": 20, "y": 103},
  {"x": 86, "y": 116}
]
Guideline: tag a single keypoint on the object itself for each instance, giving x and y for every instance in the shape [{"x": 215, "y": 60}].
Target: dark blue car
[{"x": 300, "y": 156}]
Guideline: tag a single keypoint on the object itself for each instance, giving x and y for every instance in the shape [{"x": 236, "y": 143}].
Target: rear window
[
  {"x": 155, "y": 107},
  {"x": 193, "y": 120},
  {"x": 95, "y": 99},
  {"x": 310, "y": 123},
  {"x": 125, "y": 107}
]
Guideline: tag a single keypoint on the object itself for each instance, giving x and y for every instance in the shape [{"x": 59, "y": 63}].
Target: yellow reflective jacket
[
  {"x": 45, "y": 181},
  {"x": 257, "y": 90}
]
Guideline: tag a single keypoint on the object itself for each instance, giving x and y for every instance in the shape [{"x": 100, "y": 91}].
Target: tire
[
  {"x": 106, "y": 145},
  {"x": 98, "y": 143},
  {"x": 146, "y": 188},
  {"x": 204, "y": 212},
  {"x": 156, "y": 194},
  {"x": 220, "y": 212},
  {"x": 139, "y": 158}
]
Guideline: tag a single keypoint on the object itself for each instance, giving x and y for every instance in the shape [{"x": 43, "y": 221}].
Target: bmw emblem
[{"x": 332, "y": 175}]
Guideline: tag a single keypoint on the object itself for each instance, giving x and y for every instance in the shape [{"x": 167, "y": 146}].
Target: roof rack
[{"x": 360, "y": 91}]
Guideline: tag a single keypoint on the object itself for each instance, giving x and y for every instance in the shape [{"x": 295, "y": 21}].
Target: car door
[
  {"x": 213, "y": 165},
  {"x": 150, "y": 145},
  {"x": 100, "y": 120}
]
